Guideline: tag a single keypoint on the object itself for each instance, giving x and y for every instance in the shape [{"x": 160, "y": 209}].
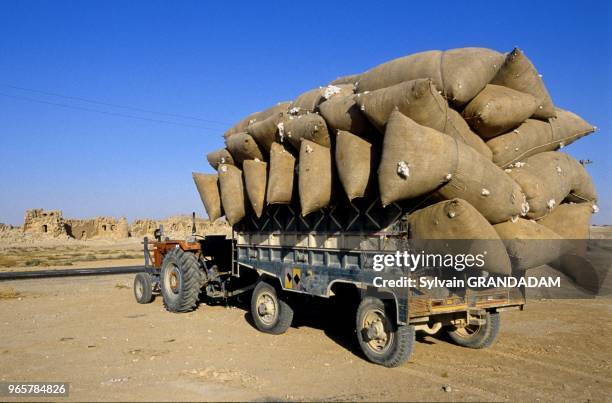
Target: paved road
[{"x": 23, "y": 275}]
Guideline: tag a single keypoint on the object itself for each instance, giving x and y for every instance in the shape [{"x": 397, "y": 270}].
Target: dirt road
[{"x": 91, "y": 333}]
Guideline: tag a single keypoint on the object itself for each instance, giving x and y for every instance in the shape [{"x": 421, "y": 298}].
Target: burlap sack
[
  {"x": 573, "y": 222},
  {"x": 535, "y": 136},
  {"x": 342, "y": 113},
  {"x": 459, "y": 129},
  {"x": 570, "y": 220},
  {"x": 305, "y": 127},
  {"x": 280, "y": 175},
  {"x": 265, "y": 132},
  {"x": 549, "y": 178},
  {"x": 483, "y": 184},
  {"x": 221, "y": 156},
  {"x": 517, "y": 72},
  {"x": 411, "y": 165},
  {"x": 496, "y": 110},
  {"x": 208, "y": 188},
  {"x": 241, "y": 126},
  {"x": 232, "y": 193},
  {"x": 568, "y": 127},
  {"x": 350, "y": 79},
  {"x": 310, "y": 100},
  {"x": 243, "y": 147},
  {"x": 355, "y": 163},
  {"x": 342, "y": 90},
  {"x": 255, "y": 178},
  {"x": 458, "y": 220},
  {"x": 529, "y": 244},
  {"x": 314, "y": 177},
  {"x": 420, "y": 101},
  {"x": 459, "y": 73}
]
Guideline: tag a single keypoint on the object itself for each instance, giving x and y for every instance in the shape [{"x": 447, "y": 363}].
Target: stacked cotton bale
[{"x": 471, "y": 128}]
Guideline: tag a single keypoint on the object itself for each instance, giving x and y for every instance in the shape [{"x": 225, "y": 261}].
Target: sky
[{"x": 100, "y": 150}]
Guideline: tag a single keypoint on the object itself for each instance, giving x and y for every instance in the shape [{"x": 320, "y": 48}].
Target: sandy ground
[{"x": 91, "y": 333}]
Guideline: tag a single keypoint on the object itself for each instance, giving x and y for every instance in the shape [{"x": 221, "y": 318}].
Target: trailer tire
[
  {"x": 180, "y": 281},
  {"x": 380, "y": 339},
  {"x": 476, "y": 336},
  {"x": 270, "y": 313},
  {"x": 143, "y": 288}
]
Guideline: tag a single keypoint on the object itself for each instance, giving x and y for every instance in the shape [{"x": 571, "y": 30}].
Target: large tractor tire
[
  {"x": 476, "y": 336},
  {"x": 270, "y": 313},
  {"x": 180, "y": 281},
  {"x": 381, "y": 340}
]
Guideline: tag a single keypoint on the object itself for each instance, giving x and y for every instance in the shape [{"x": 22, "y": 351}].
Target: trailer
[{"x": 327, "y": 254}]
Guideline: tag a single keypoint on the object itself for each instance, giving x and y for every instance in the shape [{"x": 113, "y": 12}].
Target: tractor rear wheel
[{"x": 180, "y": 280}]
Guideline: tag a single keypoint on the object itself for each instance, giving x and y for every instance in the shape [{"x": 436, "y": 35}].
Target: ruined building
[
  {"x": 51, "y": 223},
  {"x": 39, "y": 221},
  {"x": 103, "y": 227}
]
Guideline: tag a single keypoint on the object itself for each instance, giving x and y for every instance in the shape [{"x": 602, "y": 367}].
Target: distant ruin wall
[
  {"x": 50, "y": 223},
  {"x": 103, "y": 227},
  {"x": 6, "y": 227},
  {"x": 177, "y": 227}
]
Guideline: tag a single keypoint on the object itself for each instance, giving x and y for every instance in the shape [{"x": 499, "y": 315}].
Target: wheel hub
[
  {"x": 377, "y": 338},
  {"x": 139, "y": 289},
  {"x": 376, "y": 330},
  {"x": 266, "y": 308},
  {"x": 174, "y": 281}
]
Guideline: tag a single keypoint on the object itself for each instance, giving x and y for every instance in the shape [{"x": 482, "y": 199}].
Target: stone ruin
[
  {"x": 178, "y": 227},
  {"x": 102, "y": 227},
  {"x": 52, "y": 224},
  {"x": 44, "y": 222}
]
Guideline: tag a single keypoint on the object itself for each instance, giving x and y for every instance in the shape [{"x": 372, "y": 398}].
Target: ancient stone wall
[
  {"x": 52, "y": 224},
  {"x": 6, "y": 227},
  {"x": 177, "y": 227},
  {"x": 100, "y": 227}
]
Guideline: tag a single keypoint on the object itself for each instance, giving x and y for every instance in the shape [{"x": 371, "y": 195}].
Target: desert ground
[{"x": 90, "y": 332}]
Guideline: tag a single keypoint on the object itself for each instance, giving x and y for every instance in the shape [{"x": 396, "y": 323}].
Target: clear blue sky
[{"x": 222, "y": 60}]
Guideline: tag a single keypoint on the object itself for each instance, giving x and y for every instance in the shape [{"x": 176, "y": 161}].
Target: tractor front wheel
[{"x": 143, "y": 288}]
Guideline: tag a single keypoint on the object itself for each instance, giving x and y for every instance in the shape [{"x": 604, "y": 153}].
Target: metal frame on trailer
[{"x": 310, "y": 254}]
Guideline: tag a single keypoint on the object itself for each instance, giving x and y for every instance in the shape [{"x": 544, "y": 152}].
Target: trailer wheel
[
  {"x": 380, "y": 339},
  {"x": 143, "y": 288},
  {"x": 180, "y": 281},
  {"x": 270, "y": 314},
  {"x": 476, "y": 336}
]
